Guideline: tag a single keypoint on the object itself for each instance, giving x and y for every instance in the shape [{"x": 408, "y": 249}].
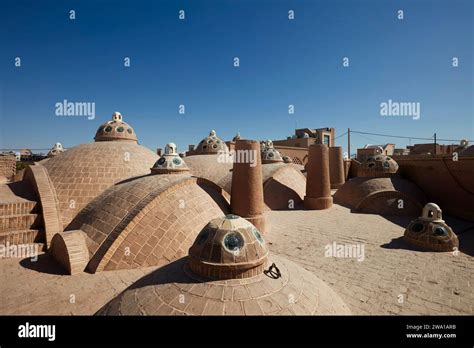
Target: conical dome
[{"x": 116, "y": 129}]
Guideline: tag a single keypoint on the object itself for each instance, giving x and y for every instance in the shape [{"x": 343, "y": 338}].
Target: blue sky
[{"x": 190, "y": 62}]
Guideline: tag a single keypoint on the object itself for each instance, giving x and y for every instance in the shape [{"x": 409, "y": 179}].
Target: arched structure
[
  {"x": 147, "y": 221},
  {"x": 383, "y": 196}
]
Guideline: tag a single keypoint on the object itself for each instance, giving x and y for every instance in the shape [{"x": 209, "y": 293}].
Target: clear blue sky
[{"x": 190, "y": 62}]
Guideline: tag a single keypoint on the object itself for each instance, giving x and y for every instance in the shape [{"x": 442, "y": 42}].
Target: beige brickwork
[
  {"x": 80, "y": 174},
  {"x": 150, "y": 220}
]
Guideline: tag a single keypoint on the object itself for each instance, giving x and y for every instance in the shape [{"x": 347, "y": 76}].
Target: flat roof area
[{"x": 391, "y": 277}]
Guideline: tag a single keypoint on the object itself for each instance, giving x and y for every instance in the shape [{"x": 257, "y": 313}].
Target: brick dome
[
  {"x": 55, "y": 150},
  {"x": 148, "y": 220},
  {"x": 211, "y": 144},
  {"x": 116, "y": 129},
  {"x": 378, "y": 166},
  {"x": 228, "y": 247},
  {"x": 190, "y": 286},
  {"x": 212, "y": 167},
  {"x": 430, "y": 231},
  {"x": 170, "y": 162},
  {"x": 269, "y": 153},
  {"x": 81, "y": 173},
  {"x": 381, "y": 196},
  {"x": 283, "y": 185}
]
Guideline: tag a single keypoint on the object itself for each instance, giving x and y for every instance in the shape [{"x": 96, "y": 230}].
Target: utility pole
[
  {"x": 349, "y": 142},
  {"x": 434, "y": 144}
]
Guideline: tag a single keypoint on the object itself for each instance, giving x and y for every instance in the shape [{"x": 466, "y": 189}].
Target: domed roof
[
  {"x": 430, "y": 232},
  {"x": 81, "y": 173},
  {"x": 378, "y": 166},
  {"x": 210, "y": 166},
  {"x": 156, "y": 217},
  {"x": 55, "y": 150},
  {"x": 228, "y": 247},
  {"x": 269, "y": 153},
  {"x": 467, "y": 151},
  {"x": 170, "y": 162},
  {"x": 225, "y": 274},
  {"x": 211, "y": 144},
  {"x": 283, "y": 184},
  {"x": 381, "y": 196},
  {"x": 116, "y": 129}
]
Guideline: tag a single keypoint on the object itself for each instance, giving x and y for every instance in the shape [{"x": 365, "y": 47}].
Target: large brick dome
[
  {"x": 81, "y": 173},
  {"x": 212, "y": 167},
  {"x": 225, "y": 274},
  {"x": 147, "y": 221},
  {"x": 383, "y": 196}
]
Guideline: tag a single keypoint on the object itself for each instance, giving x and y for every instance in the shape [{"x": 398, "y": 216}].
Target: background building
[
  {"x": 296, "y": 146},
  {"x": 372, "y": 150}
]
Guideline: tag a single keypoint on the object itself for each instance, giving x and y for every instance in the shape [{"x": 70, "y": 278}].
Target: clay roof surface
[{"x": 81, "y": 173}]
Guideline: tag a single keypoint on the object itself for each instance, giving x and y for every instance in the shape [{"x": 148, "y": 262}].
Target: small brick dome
[
  {"x": 269, "y": 153},
  {"x": 116, "y": 129},
  {"x": 211, "y": 144},
  {"x": 430, "y": 232},
  {"x": 170, "y": 162},
  {"x": 55, "y": 150},
  {"x": 228, "y": 248},
  {"x": 378, "y": 166}
]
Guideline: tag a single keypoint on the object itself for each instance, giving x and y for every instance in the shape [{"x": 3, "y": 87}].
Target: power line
[
  {"x": 405, "y": 137},
  {"x": 373, "y": 141},
  {"x": 339, "y": 136}
]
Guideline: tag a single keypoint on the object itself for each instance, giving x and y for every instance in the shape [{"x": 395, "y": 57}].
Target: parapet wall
[
  {"x": 298, "y": 155},
  {"x": 7, "y": 167},
  {"x": 448, "y": 183}
]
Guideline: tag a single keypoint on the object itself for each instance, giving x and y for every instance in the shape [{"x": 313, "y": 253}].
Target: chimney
[
  {"x": 318, "y": 189},
  {"x": 247, "y": 186},
  {"x": 336, "y": 167}
]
